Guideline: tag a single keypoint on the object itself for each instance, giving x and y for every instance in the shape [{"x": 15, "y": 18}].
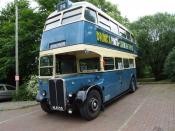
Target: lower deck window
[
  {"x": 65, "y": 64},
  {"x": 126, "y": 63},
  {"x": 118, "y": 63},
  {"x": 46, "y": 65},
  {"x": 131, "y": 63},
  {"x": 108, "y": 63},
  {"x": 46, "y": 71},
  {"x": 90, "y": 64}
]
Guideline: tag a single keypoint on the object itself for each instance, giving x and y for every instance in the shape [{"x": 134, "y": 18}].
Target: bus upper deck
[{"x": 83, "y": 23}]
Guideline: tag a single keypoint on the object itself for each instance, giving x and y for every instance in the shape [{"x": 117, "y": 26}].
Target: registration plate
[{"x": 57, "y": 108}]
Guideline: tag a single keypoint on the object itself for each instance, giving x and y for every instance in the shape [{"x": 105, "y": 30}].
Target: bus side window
[
  {"x": 128, "y": 35},
  {"x": 108, "y": 63},
  {"x": 126, "y": 63},
  {"x": 122, "y": 32},
  {"x": 114, "y": 27},
  {"x": 72, "y": 15},
  {"x": 90, "y": 15},
  {"x": 118, "y": 63},
  {"x": 103, "y": 22},
  {"x": 133, "y": 39},
  {"x": 131, "y": 63}
]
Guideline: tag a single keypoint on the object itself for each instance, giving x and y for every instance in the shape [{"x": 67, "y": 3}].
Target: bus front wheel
[
  {"x": 92, "y": 106},
  {"x": 46, "y": 107}
]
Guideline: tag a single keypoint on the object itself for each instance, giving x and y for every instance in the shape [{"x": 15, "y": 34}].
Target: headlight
[{"x": 43, "y": 93}]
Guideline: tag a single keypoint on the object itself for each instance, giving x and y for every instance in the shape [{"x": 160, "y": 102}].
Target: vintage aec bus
[{"x": 86, "y": 60}]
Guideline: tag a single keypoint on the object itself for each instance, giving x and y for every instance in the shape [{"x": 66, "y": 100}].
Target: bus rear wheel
[
  {"x": 92, "y": 106},
  {"x": 133, "y": 85},
  {"x": 46, "y": 107}
]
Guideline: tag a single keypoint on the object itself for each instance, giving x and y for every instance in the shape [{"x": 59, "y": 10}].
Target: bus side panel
[
  {"x": 127, "y": 75},
  {"x": 90, "y": 37},
  {"x": 112, "y": 84}
]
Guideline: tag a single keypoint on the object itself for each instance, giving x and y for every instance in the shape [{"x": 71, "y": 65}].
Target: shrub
[
  {"x": 169, "y": 67},
  {"x": 28, "y": 90}
]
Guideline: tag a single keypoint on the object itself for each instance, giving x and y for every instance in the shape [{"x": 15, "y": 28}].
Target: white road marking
[
  {"x": 20, "y": 116},
  {"x": 127, "y": 121}
]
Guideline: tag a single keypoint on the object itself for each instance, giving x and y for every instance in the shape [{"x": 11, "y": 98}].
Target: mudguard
[{"x": 40, "y": 98}]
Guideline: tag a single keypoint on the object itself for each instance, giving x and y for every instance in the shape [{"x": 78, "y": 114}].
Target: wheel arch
[
  {"x": 82, "y": 94},
  {"x": 98, "y": 88}
]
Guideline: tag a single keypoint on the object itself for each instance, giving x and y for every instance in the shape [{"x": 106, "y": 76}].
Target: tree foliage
[
  {"x": 156, "y": 38},
  {"x": 30, "y": 28},
  {"x": 169, "y": 67}
]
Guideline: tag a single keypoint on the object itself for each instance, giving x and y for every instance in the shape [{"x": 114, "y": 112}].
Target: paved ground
[
  {"x": 150, "y": 108},
  {"x": 11, "y": 105}
]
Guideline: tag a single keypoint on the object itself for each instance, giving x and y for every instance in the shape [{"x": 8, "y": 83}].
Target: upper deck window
[
  {"x": 128, "y": 35},
  {"x": 53, "y": 21},
  {"x": 72, "y": 15},
  {"x": 132, "y": 38},
  {"x": 90, "y": 15},
  {"x": 114, "y": 28},
  {"x": 122, "y": 32},
  {"x": 104, "y": 22}
]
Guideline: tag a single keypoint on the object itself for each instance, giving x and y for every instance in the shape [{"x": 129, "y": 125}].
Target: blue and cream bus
[{"x": 86, "y": 60}]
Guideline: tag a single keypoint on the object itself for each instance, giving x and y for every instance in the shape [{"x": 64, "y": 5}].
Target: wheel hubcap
[{"x": 93, "y": 104}]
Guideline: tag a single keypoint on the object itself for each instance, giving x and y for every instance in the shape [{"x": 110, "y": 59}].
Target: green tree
[
  {"x": 169, "y": 67},
  {"x": 30, "y": 28},
  {"x": 156, "y": 38}
]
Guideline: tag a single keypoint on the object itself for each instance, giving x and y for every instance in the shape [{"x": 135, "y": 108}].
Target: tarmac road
[{"x": 150, "y": 108}]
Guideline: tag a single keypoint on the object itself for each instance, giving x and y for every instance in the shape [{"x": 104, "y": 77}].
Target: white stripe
[
  {"x": 23, "y": 115},
  {"x": 128, "y": 120}
]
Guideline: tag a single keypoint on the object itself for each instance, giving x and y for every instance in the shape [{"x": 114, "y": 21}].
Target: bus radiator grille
[{"x": 57, "y": 91}]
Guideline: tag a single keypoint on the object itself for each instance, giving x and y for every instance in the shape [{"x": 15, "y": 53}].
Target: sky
[{"x": 132, "y": 9}]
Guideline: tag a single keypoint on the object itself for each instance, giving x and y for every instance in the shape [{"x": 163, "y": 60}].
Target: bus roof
[{"x": 87, "y": 4}]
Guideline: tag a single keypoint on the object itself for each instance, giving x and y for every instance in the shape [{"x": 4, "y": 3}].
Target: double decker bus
[{"x": 86, "y": 60}]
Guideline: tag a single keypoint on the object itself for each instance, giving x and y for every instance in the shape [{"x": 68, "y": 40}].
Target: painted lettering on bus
[{"x": 102, "y": 37}]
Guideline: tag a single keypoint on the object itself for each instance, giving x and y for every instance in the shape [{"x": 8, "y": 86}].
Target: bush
[
  {"x": 169, "y": 67},
  {"x": 28, "y": 90}
]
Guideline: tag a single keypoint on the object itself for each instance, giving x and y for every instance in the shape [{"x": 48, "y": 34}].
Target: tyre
[
  {"x": 92, "y": 106},
  {"x": 133, "y": 85},
  {"x": 46, "y": 107}
]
